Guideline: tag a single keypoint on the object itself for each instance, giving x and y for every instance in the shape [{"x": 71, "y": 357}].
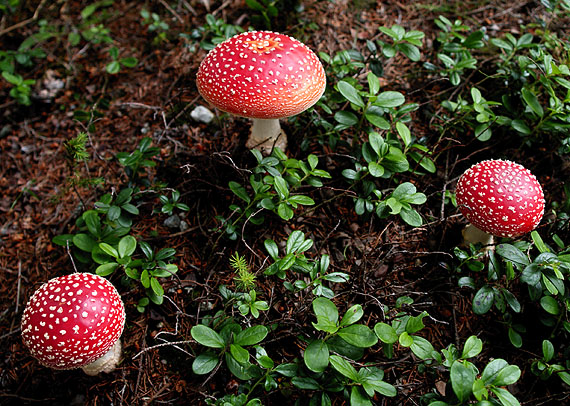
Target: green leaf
[
  {"x": 129, "y": 62},
  {"x": 521, "y": 127},
  {"x": 204, "y": 363},
  {"x": 352, "y": 315},
  {"x": 305, "y": 383},
  {"x": 405, "y": 339},
  {"x": 505, "y": 397},
  {"x": 532, "y": 101},
  {"x": 386, "y": 333},
  {"x": 282, "y": 187},
  {"x": 358, "y": 335},
  {"x": 344, "y": 367},
  {"x": 156, "y": 287},
  {"x": 127, "y": 246},
  {"x": 239, "y": 191},
  {"x": 301, "y": 199},
  {"x": 13, "y": 79},
  {"x": 411, "y": 51},
  {"x": 327, "y": 315},
  {"x": 375, "y": 118},
  {"x": 239, "y": 353},
  {"x": 375, "y": 169},
  {"x": 239, "y": 370},
  {"x": 350, "y": 93},
  {"x": 251, "y": 335},
  {"x": 113, "y": 67},
  {"x": 207, "y": 336},
  {"x": 84, "y": 242},
  {"x": 316, "y": 356},
  {"x": 422, "y": 348},
  {"x": 272, "y": 249},
  {"x": 483, "y": 300},
  {"x": 373, "y": 83},
  {"x": 106, "y": 269},
  {"x": 462, "y": 378},
  {"x": 547, "y": 350},
  {"x": 390, "y": 99},
  {"x": 550, "y": 305},
  {"x": 284, "y": 211},
  {"x": 109, "y": 250},
  {"x": 472, "y": 347},
  {"x": 404, "y": 133},
  {"x": 411, "y": 217},
  {"x": 515, "y": 338},
  {"x": 492, "y": 370},
  {"x": 507, "y": 376},
  {"x": 358, "y": 398},
  {"x": 346, "y": 118}
]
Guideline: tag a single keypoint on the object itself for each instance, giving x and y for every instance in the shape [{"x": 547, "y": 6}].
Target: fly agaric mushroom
[
  {"x": 75, "y": 321},
  {"x": 499, "y": 198},
  {"x": 265, "y": 76}
]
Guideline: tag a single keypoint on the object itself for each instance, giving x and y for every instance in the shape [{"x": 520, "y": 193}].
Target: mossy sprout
[{"x": 245, "y": 279}]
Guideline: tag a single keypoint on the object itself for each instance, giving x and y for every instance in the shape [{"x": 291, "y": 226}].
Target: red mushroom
[
  {"x": 265, "y": 76},
  {"x": 500, "y": 198},
  {"x": 75, "y": 321}
]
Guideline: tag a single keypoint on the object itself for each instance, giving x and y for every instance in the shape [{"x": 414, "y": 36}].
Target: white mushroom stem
[
  {"x": 265, "y": 135},
  {"x": 472, "y": 235},
  {"x": 107, "y": 363}
]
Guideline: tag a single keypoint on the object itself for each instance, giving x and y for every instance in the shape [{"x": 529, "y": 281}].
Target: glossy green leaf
[
  {"x": 207, "y": 336},
  {"x": 350, "y": 93},
  {"x": 358, "y": 335},
  {"x": 316, "y": 356}
]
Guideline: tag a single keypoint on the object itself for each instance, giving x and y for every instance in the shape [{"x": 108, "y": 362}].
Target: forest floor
[{"x": 43, "y": 193}]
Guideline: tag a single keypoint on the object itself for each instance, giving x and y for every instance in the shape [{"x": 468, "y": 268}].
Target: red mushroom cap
[
  {"x": 261, "y": 74},
  {"x": 72, "y": 320},
  {"x": 501, "y": 198}
]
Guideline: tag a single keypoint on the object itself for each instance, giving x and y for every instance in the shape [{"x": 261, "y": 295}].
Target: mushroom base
[
  {"x": 472, "y": 235},
  {"x": 265, "y": 135},
  {"x": 107, "y": 363}
]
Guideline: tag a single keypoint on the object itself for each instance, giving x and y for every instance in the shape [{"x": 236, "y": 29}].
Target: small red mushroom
[
  {"x": 501, "y": 198},
  {"x": 75, "y": 321},
  {"x": 265, "y": 76}
]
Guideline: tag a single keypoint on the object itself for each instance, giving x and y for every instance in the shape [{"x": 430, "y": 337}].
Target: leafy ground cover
[{"x": 329, "y": 273}]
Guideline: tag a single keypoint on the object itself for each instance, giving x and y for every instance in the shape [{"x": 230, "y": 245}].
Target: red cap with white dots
[
  {"x": 261, "y": 75},
  {"x": 73, "y": 320},
  {"x": 501, "y": 198}
]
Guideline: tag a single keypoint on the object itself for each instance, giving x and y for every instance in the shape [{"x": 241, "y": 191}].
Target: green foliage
[
  {"x": 9, "y": 6},
  {"x": 545, "y": 368},
  {"x": 469, "y": 384},
  {"x": 296, "y": 261},
  {"x": 407, "y": 43},
  {"x": 115, "y": 65},
  {"x": 76, "y": 149},
  {"x": 229, "y": 344},
  {"x": 344, "y": 340},
  {"x": 103, "y": 241},
  {"x": 21, "y": 89},
  {"x": 156, "y": 25},
  {"x": 245, "y": 279},
  {"x": 273, "y": 183},
  {"x": 457, "y": 42},
  {"x": 138, "y": 161},
  {"x": 266, "y": 12},
  {"x": 214, "y": 32},
  {"x": 530, "y": 96},
  {"x": 171, "y": 203}
]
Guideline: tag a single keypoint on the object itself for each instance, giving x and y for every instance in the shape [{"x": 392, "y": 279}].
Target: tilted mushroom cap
[
  {"x": 501, "y": 198},
  {"x": 262, "y": 75},
  {"x": 72, "y": 320}
]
